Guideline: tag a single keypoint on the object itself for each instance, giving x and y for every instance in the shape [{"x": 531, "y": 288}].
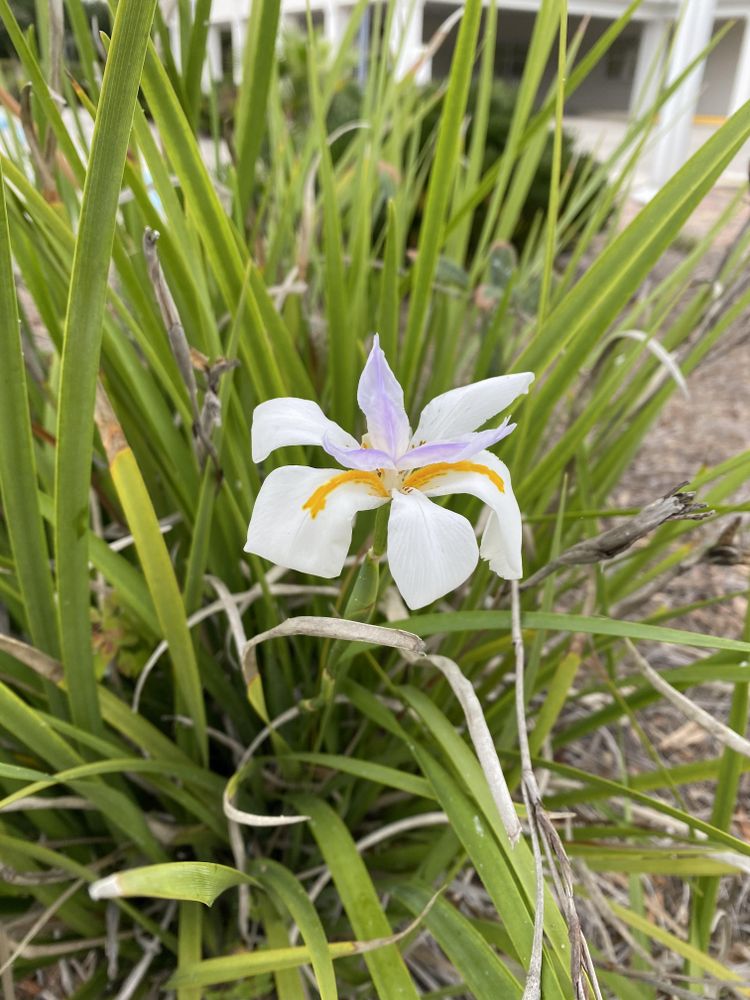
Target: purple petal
[
  {"x": 457, "y": 450},
  {"x": 358, "y": 458},
  {"x": 381, "y": 399}
]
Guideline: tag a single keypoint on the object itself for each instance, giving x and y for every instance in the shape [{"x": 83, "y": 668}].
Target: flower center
[
  {"x": 420, "y": 478},
  {"x": 317, "y": 500},
  {"x": 384, "y": 480}
]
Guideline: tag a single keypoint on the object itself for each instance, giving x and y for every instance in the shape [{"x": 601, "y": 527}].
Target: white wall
[
  {"x": 228, "y": 10},
  {"x": 608, "y": 87},
  {"x": 718, "y": 76}
]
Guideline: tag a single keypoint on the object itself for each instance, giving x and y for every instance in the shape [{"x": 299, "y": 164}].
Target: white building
[{"x": 659, "y": 43}]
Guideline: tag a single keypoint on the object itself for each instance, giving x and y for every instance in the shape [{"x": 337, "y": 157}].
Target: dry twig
[
  {"x": 151, "y": 947},
  {"x": 726, "y": 550},
  {"x": 54, "y": 876},
  {"x": 208, "y": 416},
  {"x": 330, "y": 628},
  {"x": 481, "y": 737},
  {"x": 532, "y": 799},
  {"x": 38, "y": 924},
  {"x": 560, "y": 866},
  {"x": 673, "y": 506},
  {"x": 45, "y": 177},
  {"x": 728, "y": 737}
]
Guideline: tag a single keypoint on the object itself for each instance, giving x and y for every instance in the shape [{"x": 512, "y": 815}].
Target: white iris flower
[{"x": 303, "y": 517}]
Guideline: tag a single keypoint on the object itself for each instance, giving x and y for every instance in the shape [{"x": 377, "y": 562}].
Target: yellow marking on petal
[
  {"x": 317, "y": 500},
  {"x": 420, "y": 478}
]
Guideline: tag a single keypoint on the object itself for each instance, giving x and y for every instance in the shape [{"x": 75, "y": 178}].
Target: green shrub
[{"x": 170, "y": 693}]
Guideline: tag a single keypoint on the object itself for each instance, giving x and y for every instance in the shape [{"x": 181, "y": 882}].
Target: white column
[
  {"x": 692, "y": 34},
  {"x": 212, "y": 66},
  {"x": 175, "y": 43},
  {"x": 335, "y": 21},
  {"x": 406, "y": 38},
  {"x": 239, "y": 38},
  {"x": 741, "y": 85},
  {"x": 652, "y": 51}
]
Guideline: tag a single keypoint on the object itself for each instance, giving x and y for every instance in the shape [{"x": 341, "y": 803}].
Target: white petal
[
  {"x": 461, "y": 410},
  {"x": 501, "y": 545},
  {"x": 431, "y": 551},
  {"x": 278, "y": 423},
  {"x": 289, "y": 533},
  {"x": 501, "y": 541}
]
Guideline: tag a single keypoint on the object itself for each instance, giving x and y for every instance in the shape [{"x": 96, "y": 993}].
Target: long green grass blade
[
  {"x": 281, "y": 884},
  {"x": 195, "y": 881},
  {"x": 18, "y": 473},
  {"x": 190, "y": 943},
  {"x": 485, "y": 976},
  {"x": 18, "y": 718},
  {"x": 439, "y": 191},
  {"x": 596, "y": 300},
  {"x": 386, "y": 966},
  {"x": 324, "y": 198},
  {"x": 158, "y": 572},
  {"x": 257, "y": 68},
  {"x": 196, "y": 58},
  {"x": 496, "y": 872},
  {"x": 82, "y": 342},
  {"x": 214, "y": 971}
]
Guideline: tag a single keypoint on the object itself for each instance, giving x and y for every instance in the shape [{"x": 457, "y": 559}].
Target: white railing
[{"x": 228, "y": 31}]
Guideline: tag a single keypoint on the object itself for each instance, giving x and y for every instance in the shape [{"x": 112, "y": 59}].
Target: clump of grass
[{"x": 135, "y": 745}]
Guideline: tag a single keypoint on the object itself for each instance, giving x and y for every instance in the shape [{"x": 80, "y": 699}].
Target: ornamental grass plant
[{"x": 225, "y": 778}]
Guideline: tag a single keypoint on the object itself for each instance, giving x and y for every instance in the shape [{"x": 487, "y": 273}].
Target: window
[
  {"x": 227, "y": 56},
  {"x": 510, "y": 60},
  {"x": 620, "y": 64}
]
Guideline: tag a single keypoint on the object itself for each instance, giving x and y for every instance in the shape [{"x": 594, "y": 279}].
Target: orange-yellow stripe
[
  {"x": 422, "y": 477},
  {"x": 317, "y": 500}
]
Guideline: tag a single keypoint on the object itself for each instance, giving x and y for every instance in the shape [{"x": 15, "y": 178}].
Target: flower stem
[
  {"x": 364, "y": 596},
  {"x": 380, "y": 534},
  {"x": 360, "y": 606}
]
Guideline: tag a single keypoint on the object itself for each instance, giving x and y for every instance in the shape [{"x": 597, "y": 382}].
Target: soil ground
[{"x": 709, "y": 426}]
